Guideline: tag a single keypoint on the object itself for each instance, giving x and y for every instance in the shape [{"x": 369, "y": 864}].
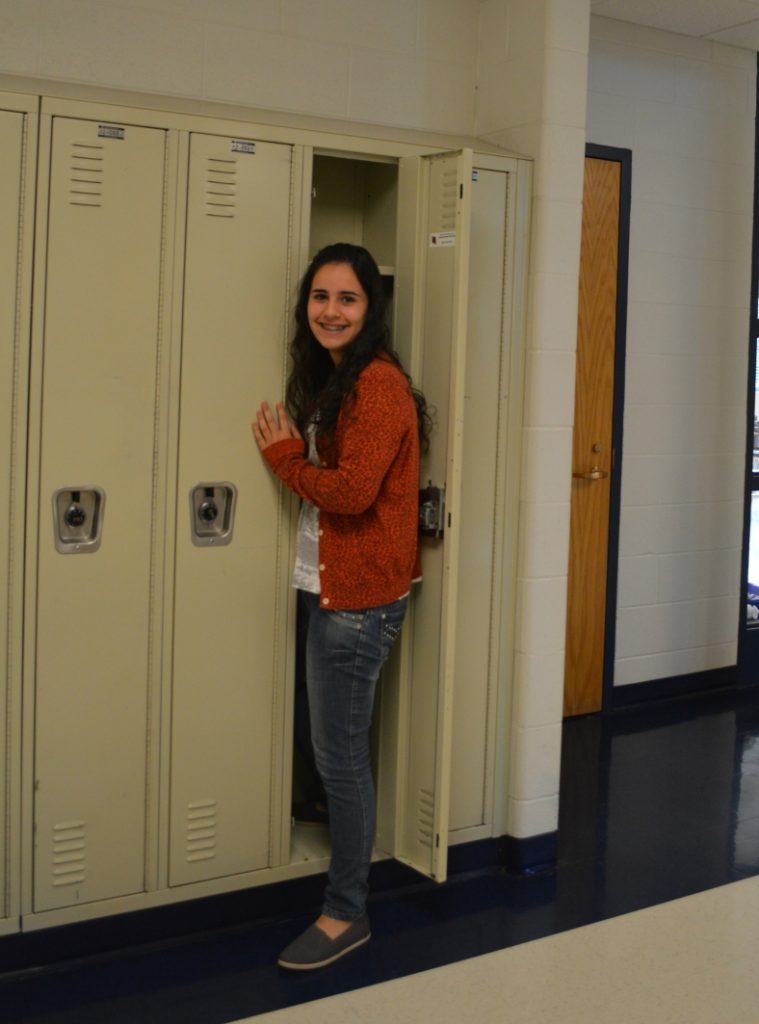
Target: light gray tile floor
[{"x": 691, "y": 961}]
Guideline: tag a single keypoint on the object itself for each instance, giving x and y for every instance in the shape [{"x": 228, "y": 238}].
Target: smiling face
[{"x": 337, "y": 306}]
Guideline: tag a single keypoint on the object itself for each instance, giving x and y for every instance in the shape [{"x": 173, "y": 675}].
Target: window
[{"x": 752, "y": 581}]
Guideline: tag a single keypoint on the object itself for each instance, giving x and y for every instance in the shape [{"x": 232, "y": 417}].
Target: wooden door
[{"x": 593, "y": 454}]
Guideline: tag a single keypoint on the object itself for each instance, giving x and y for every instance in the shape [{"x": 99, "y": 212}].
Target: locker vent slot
[
  {"x": 426, "y": 811},
  {"x": 86, "y": 178},
  {"x": 449, "y": 191},
  {"x": 69, "y": 841},
  {"x": 201, "y": 830},
  {"x": 221, "y": 187}
]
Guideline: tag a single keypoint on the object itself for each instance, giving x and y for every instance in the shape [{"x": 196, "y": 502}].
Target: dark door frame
[
  {"x": 624, "y": 158},
  {"x": 748, "y": 636}
]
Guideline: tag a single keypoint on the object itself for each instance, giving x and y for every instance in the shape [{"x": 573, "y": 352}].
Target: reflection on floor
[
  {"x": 657, "y": 804},
  {"x": 692, "y": 960}
]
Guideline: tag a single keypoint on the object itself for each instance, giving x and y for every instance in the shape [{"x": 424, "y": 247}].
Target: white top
[{"x": 306, "y": 569}]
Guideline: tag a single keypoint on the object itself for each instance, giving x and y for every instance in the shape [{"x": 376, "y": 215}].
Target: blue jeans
[{"x": 345, "y": 651}]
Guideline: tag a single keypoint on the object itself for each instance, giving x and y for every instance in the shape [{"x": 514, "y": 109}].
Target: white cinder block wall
[
  {"x": 685, "y": 107},
  {"x": 532, "y": 99},
  {"x": 408, "y": 63}
]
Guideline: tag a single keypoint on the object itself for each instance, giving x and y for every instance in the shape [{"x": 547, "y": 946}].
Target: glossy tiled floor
[
  {"x": 691, "y": 961},
  {"x": 657, "y": 804}
]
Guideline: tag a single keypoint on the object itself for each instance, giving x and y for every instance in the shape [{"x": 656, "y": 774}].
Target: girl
[{"x": 357, "y": 475}]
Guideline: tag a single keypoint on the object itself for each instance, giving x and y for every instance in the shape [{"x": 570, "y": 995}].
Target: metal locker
[
  {"x": 158, "y": 640},
  {"x": 483, "y": 494},
  {"x": 460, "y": 242},
  {"x": 16, "y": 140},
  {"x": 441, "y": 245},
  {"x": 96, "y": 531},
  {"x": 232, "y": 566}
]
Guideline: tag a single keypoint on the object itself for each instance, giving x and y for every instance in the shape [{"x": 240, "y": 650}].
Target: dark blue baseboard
[
  {"x": 530, "y": 856},
  {"x": 674, "y": 687},
  {"x": 267, "y": 902}
]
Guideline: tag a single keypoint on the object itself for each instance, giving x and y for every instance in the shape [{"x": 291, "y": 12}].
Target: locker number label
[
  {"x": 109, "y": 131},
  {"x": 241, "y": 146},
  {"x": 441, "y": 239}
]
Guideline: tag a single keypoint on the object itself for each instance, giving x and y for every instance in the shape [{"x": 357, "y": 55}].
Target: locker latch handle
[
  {"x": 212, "y": 512},
  {"x": 208, "y": 510},
  {"x": 78, "y": 519},
  {"x": 432, "y": 511}
]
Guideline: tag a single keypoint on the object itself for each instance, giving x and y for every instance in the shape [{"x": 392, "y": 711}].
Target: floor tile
[{"x": 690, "y": 960}]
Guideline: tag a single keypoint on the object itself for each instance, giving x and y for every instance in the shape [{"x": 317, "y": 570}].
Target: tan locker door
[
  {"x": 482, "y": 497},
  {"x": 443, "y": 266},
  {"x": 102, "y": 298},
  {"x": 12, "y": 463},
  {"x": 229, "y": 603}
]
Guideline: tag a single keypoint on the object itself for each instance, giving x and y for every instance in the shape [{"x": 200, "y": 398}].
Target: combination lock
[
  {"x": 75, "y": 516},
  {"x": 208, "y": 511}
]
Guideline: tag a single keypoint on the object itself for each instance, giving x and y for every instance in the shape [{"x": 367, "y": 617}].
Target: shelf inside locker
[{"x": 355, "y": 201}]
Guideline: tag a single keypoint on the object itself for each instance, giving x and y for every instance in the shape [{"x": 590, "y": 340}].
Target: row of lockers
[{"x": 148, "y": 745}]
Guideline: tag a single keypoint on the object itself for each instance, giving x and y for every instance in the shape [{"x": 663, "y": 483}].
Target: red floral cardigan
[{"x": 366, "y": 490}]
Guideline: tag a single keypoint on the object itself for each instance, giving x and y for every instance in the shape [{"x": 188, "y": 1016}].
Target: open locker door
[{"x": 435, "y": 240}]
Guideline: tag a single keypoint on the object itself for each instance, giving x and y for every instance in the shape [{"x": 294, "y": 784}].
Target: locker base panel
[
  {"x": 309, "y": 854},
  {"x": 470, "y": 849},
  {"x": 149, "y": 901},
  {"x": 44, "y": 941}
]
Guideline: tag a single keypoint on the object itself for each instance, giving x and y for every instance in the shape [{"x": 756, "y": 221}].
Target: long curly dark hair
[{"x": 316, "y": 384}]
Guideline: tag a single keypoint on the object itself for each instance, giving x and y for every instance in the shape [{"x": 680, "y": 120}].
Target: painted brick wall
[
  {"x": 533, "y": 77},
  {"x": 409, "y": 63},
  {"x": 685, "y": 107}
]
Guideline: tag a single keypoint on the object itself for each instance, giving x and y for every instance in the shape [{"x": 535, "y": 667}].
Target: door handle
[
  {"x": 594, "y": 474},
  {"x": 432, "y": 511}
]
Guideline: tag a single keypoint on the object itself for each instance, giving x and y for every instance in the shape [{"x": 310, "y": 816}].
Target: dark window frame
[{"x": 748, "y": 635}]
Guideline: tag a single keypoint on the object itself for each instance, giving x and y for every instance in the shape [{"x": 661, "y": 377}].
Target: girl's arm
[{"x": 370, "y": 436}]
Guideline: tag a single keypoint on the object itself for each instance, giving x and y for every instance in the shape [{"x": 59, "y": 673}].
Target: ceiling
[{"x": 735, "y": 22}]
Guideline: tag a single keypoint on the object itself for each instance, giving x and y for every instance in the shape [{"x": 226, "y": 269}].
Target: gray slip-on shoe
[{"x": 315, "y": 949}]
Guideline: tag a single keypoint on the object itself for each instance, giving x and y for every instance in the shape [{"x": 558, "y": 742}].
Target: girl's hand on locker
[{"x": 269, "y": 428}]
